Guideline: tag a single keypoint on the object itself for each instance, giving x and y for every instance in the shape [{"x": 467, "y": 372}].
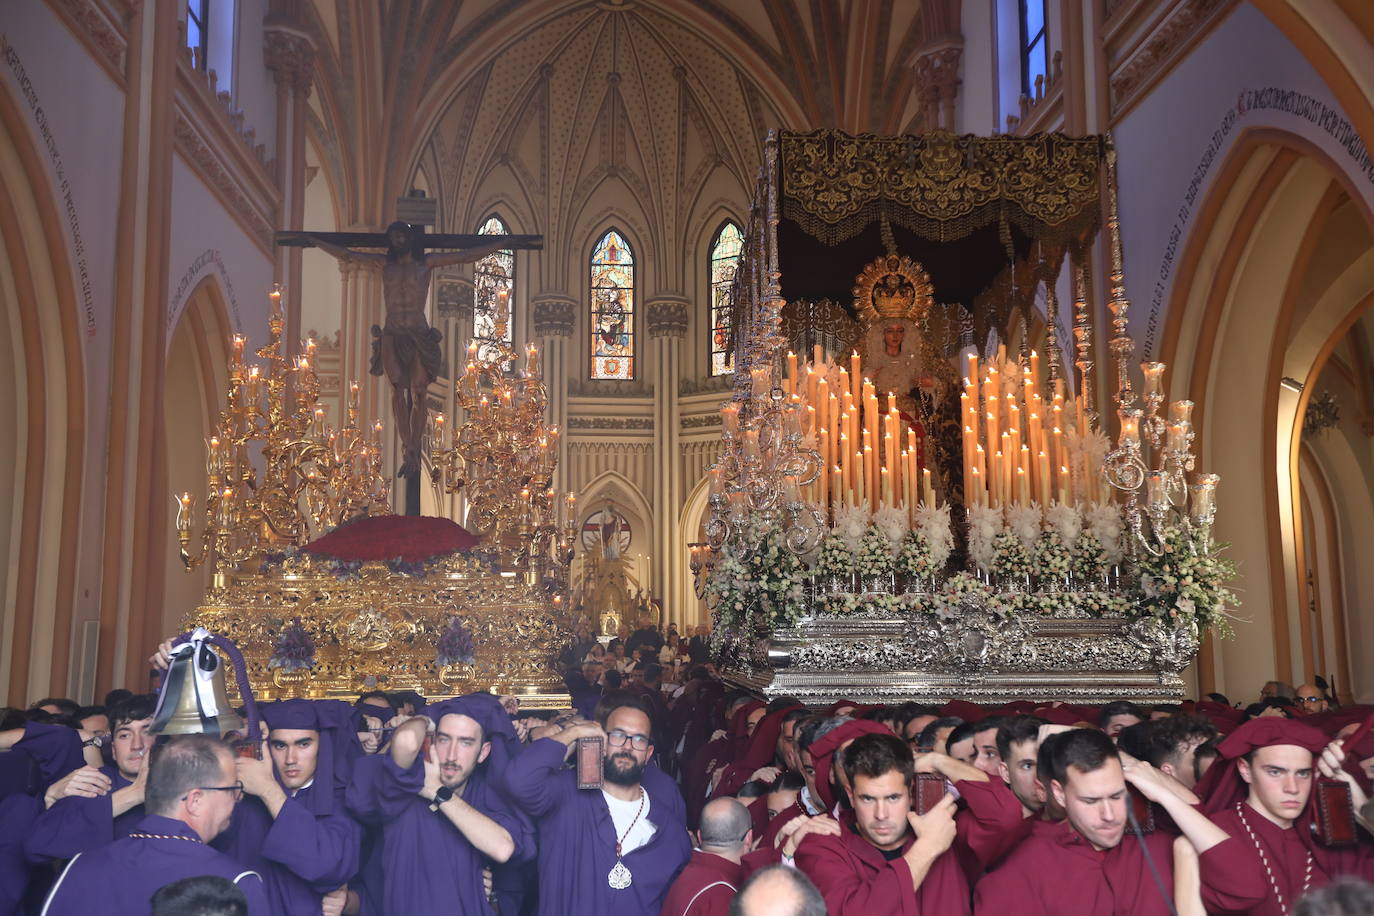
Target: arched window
[
  {"x": 493, "y": 275},
  {"x": 725, "y": 252},
  {"x": 1035, "y": 47},
  {"x": 613, "y": 308}
]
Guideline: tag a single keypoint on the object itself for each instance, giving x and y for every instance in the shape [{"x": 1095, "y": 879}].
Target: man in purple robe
[
  {"x": 442, "y": 816},
  {"x": 293, "y": 830},
  {"x": 610, "y": 850},
  {"x": 75, "y": 822},
  {"x": 192, "y": 788}
]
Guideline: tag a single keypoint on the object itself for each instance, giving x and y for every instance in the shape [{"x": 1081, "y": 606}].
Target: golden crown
[{"x": 893, "y": 286}]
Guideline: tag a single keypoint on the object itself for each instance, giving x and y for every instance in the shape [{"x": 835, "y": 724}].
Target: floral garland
[
  {"x": 765, "y": 586},
  {"x": 294, "y": 650},
  {"x": 1187, "y": 584}
]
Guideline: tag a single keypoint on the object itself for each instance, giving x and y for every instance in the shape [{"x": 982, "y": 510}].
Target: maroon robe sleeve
[
  {"x": 1232, "y": 878},
  {"x": 847, "y": 889},
  {"x": 990, "y": 823}
]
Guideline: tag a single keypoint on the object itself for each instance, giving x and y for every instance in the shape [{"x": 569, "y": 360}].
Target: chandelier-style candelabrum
[
  {"x": 765, "y": 462},
  {"x": 1152, "y": 453},
  {"x": 310, "y": 476},
  {"x": 503, "y": 457}
]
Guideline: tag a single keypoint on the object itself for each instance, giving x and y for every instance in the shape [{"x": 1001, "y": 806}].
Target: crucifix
[{"x": 406, "y": 349}]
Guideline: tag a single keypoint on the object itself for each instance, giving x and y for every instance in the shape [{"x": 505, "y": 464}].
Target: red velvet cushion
[{"x": 412, "y": 538}]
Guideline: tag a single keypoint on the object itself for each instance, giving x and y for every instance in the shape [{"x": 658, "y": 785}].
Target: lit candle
[
  {"x": 1156, "y": 489},
  {"x": 1178, "y": 437},
  {"x": 1130, "y": 429},
  {"x": 238, "y": 350},
  {"x": 729, "y": 416},
  {"x": 977, "y": 488},
  {"x": 760, "y": 378},
  {"x": 1065, "y": 484},
  {"x": 855, "y": 377},
  {"x": 1154, "y": 373},
  {"x": 532, "y": 361},
  {"x": 214, "y": 455},
  {"x": 792, "y": 368},
  {"x": 1022, "y": 488},
  {"x": 1042, "y": 466},
  {"x": 319, "y": 421},
  {"x": 927, "y": 488},
  {"x": 184, "y": 512},
  {"x": 1181, "y": 411}
]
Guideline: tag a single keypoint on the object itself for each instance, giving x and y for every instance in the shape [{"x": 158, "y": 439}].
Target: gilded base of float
[
  {"x": 376, "y": 628},
  {"x": 1064, "y": 655}
]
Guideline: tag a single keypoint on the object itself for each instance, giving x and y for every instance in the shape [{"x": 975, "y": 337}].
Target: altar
[{"x": 929, "y": 487}]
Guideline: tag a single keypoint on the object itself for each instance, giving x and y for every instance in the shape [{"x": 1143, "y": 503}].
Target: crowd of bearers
[{"x": 712, "y": 800}]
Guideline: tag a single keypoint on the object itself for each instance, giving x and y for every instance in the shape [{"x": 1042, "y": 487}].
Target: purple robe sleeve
[
  {"x": 17, "y": 812},
  {"x": 322, "y": 851},
  {"x": 531, "y": 781},
  {"x": 72, "y": 825},
  {"x": 380, "y": 790}
]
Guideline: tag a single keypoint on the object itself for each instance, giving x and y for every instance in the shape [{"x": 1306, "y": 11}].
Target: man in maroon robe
[
  {"x": 886, "y": 859},
  {"x": 1260, "y": 792},
  {"x": 1093, "y": 863},
  {"x": 710, "y": 880}
]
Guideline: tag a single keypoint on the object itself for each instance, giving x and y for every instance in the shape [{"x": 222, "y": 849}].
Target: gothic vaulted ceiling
[{"x": 659, "y": 94}]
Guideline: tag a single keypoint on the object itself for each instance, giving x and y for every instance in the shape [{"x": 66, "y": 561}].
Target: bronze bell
[{"x": 179, "y": 710}]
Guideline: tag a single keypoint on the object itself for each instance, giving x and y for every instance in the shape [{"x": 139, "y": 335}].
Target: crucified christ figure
[{"x": 406, "y": 349}]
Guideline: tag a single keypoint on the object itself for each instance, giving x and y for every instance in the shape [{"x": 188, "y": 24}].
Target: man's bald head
[
  {"x": 725, "y": 827},
  {"x": 778, "y": 891}
]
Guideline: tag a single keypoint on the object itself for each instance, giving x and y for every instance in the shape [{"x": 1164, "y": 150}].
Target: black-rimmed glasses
[
  {"x": 236, "y": 788},
  {"x": 618, "y": 738}
]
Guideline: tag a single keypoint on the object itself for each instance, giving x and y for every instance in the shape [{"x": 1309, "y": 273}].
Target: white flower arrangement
[
  {"x": 1187, "y": 584},
  {"x": 984, "y": 524},
  {"x": 1024, "y": 522},
  {"x": 1010, "y": 558},
  {"x": 1052, "y": 559},
  {"x": 933, "y": 525},
  {"x": 1104, "y": 521},
  {"x": 874, "y": 556},
  {"x": 850, "y": 524}
]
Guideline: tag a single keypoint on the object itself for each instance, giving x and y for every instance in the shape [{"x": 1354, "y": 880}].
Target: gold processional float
[
  {"x": 913, "y": 501},
  {"x": 292, "y": 501}
]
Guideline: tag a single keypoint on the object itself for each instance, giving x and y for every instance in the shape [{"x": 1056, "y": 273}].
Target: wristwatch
[
  {"x": 93, "y": 741},
  {"x": 443, "y": 794}
]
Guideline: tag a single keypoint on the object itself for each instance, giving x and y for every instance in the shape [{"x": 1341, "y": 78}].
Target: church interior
[{"x": 162, "y": 159}]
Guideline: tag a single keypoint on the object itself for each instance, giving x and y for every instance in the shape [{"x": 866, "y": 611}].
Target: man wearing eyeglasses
[
  {"x": 614, "y": 849},
  {"x": 192, "y": 788},
  {"x": 1311, "y": 699}
]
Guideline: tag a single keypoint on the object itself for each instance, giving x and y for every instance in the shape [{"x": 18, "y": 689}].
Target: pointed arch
[
  {"x": 612, "y": 297},
  {"x": 42, "y": 423}
]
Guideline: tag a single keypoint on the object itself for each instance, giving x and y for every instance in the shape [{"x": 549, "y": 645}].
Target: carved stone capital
[
  {"x": 453, "y": 297},
  {"x": 937, "y": 82},
  {"x": 554, "y": 316},
  {"x": 290, "y": 55},
  {"x": 666, "y": 317}
]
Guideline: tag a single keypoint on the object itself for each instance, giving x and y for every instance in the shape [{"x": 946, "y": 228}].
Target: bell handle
[{"x": 250, "y": 705}]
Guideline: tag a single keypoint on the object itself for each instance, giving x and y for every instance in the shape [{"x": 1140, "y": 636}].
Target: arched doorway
[
  {"x": 1278, "y": 265},
  {"x": 197, "y": 377}
]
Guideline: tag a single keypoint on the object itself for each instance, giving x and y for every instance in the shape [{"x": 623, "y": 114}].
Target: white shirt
[{"x": 622, "y": 813}]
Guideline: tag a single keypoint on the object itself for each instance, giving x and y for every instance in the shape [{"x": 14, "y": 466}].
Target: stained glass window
[
  {"x": 492, "y": 275},
  {"x": 725, "y": 252},
  {"x": 1035, "y": 53},
  {"x": 613, "y": 308}
]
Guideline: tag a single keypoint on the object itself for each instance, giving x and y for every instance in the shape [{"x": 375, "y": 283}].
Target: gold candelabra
[
  {"x": 312, "y": 476},
  {"x": 503, "y": 457}
]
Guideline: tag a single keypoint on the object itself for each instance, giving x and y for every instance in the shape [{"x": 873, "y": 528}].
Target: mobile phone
[
  {"x": 926, "y": 791},
  {"x": 590, "y": 752}
]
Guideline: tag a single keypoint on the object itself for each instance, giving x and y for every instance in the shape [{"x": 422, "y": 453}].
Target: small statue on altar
[{"x": 892, "y": 298}]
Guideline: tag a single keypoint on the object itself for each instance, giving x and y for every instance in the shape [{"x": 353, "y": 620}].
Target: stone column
[
  {"x": 666, "y": 321},
  {"x": 937, "y": 83},
  {"x": 554, "y": 318},
  {"x": 289, "y": 53}
]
